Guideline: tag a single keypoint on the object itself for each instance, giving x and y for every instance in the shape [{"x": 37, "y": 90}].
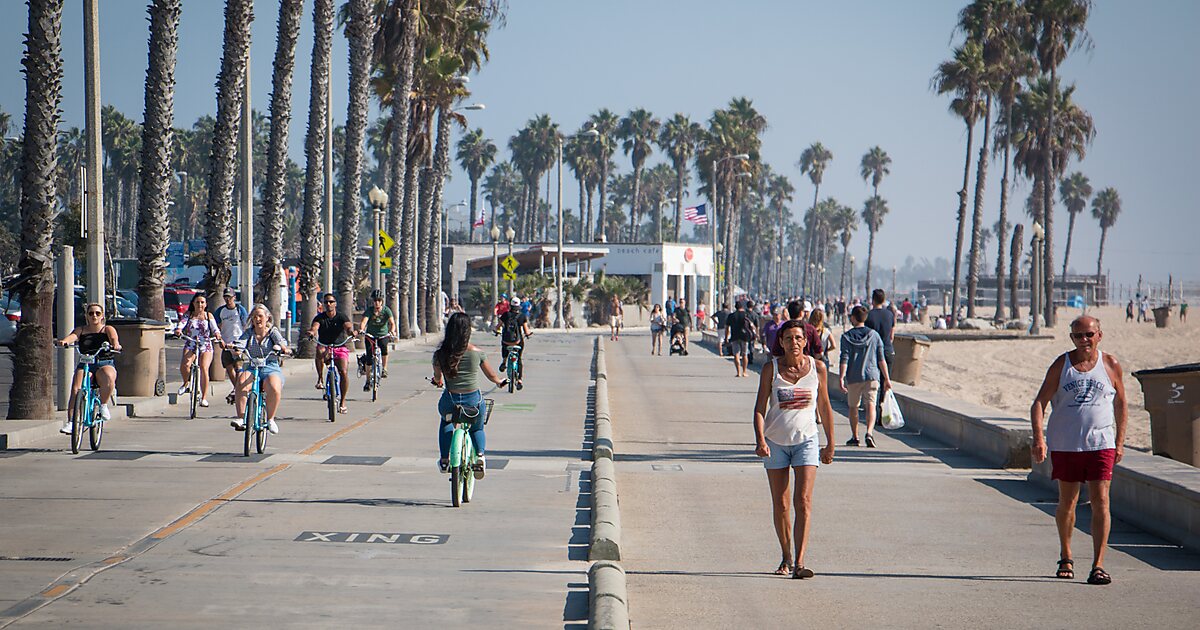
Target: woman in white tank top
[{"x": 792, "y": 395}]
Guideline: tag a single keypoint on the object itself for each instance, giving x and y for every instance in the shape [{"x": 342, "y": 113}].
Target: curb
[
  {"x": 607, "y": 597},
  {"x": 602, "y": 439}
]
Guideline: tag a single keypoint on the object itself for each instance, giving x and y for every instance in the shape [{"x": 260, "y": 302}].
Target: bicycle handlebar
[
  {"x": 335, "y": 345},
  {"x": 495, "y": 386},
  {"x": 104, "y": 347}
]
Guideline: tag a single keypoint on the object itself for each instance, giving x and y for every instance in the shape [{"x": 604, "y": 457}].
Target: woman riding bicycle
[
  {"x": 457, "y": 364},
  {"x": 260, "y": 340},
  {"x": 377, "y": 321},
  {"x": 91, "y": 335},
  {"x": 200, "y": 328}
]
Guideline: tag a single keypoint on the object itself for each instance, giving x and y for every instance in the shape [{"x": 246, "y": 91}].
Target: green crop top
[{"x": 469, "y": 369}]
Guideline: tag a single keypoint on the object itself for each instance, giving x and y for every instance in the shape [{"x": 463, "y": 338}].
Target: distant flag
[
  {"x": 696, "y": 214},
  {"x": 478, "y": 222}
]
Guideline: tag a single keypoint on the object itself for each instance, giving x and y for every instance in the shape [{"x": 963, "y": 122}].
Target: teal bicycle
[
  {"x": 255, "y": 415},
  {"x": 463, "y": 463},
  {"x": 85, "y": 410},
  {"x": 512, "y": 365}
]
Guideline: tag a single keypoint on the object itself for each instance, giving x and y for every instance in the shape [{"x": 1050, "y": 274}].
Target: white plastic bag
[{"x": 892, "y": 417}]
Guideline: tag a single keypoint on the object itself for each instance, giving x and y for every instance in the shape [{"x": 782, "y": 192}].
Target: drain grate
[{"x": 35, "y": 559}]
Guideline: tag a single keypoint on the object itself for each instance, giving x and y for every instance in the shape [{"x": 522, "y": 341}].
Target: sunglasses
[
  {"x": 95, "y": 313},
  {"x": 1083, "y": 335},
  {"x": 331, "y": 301}
]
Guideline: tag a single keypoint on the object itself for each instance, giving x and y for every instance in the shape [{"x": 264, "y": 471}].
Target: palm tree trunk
[
  {"x": 311, "y": 255},
  {"x": 976, "y": 255},
  {"x": 270, "y": 274},
  {"x": 441, "y": 162},
  {"x": 230, "y": 92},
  {"x": 870, "y": 259},
  {"x": 679, "y": 170},
  {"x": 962, "y": 221},
  {"x": 636, "y": 204},
  {"x": 582, "y": 201},
  {"x": 474, "y": 209},
  {"x": 1070, "y": 232},
  {"x": 602, "y": 210},
  {"x": 31, "y": 390},
  {"x": 1100, "y": 257},
  {"x": 809, "y": 241},
  {"x": 842, "y": 283},
  {"x": 401, "y": 186},
  {"x": 157, "y": 141},
  {"x": 1048, "y": 201},
  {"x": 588, "y": 222},
  {"x": 360, "y": 31},
  {"x": 425, "y": 207},
  {"x": 1015, "y": 270},
  {"x": 412, "y": 191},
  {"x": 1001, "y": 232}
]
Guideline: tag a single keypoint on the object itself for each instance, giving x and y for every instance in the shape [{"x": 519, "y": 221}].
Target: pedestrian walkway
[{"x": 909, "y": 534}]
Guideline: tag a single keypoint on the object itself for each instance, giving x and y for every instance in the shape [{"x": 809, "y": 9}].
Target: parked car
[
  {"x": 129, "y": 294},
  {"x": 10, "y": 317},
  {"x": 176, "y": 299}
]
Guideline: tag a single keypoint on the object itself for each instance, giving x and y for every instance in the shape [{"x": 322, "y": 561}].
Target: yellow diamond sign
[
  {"x": 385, "y": 241},
  {"x": 509, "y": 263}
]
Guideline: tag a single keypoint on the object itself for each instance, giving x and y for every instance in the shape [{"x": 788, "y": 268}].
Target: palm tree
[
  {"x": 312, "y": 257},
  {"x": 1074, "y": 191},
  {"x": 230, "y": 92},
  {"x": 1105, "y": 208},
  {"x": 360, "y": 32},
  {"x": 962, "y": 76},
  {"x": 779, "y": 195},
  {"x": 580, "y": 155},
  {"x": 157, "y": 146},
  {"x": 845, "y": 222},
  {"x": 605, "y": 123},
  {"x": 813, "y": 161},
  {"x": 31, "y": 392},
  {"x": 638, "y": 130},
  {"x": 873, "y": 212},
  {"x": 270, "y": 274},
  {"x": 874, "y": 166},
  {"x": 678, "y": 139},
  {"x": 475, "y": 154},
  {"x": 1058, "y": 26},
  {"x": 1014, "y": 269}
]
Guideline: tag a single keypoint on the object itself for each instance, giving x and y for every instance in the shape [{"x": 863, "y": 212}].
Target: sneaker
[
  {"x": 480, "y": 467},
  {"x": 852, "y": 442},
  {"x": 870, "y": 441},
  {"x": 383, "y": 374},
  {"x": 230, "y": 397},
  {"x": 238, "y": 423},
  {"x": 203, "y": 402},
  {"x": 520, "y": 386},
  {"x": 183, "y": 389},
  {"x": 367, "y": 386},
  {"x": 272, "y": 427},
  {"x": 104, "y": 412},
  {"x": 66, "y": 428},
  {"x": 443, "y": 466}
]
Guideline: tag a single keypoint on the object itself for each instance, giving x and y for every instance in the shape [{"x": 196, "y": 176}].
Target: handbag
[{"x": 892, "y": 417}]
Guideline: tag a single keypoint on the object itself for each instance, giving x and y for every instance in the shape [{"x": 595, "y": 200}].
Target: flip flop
[
  {"x": 1066, "y": 572},
  {"x": 1099, "y": 576},
  {"x": 801, "y": 573},
  {"x": 319, "y": 386},
  {"x": 785, "y": 568},
  {"x": 343, "y": 409}
]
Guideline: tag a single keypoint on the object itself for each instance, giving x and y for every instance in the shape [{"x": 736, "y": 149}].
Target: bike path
[
  {"x": 910, "y": 534},
  {"x": 278, "y": 550}
]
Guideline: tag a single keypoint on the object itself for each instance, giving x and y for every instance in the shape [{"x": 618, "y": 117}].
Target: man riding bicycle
[
  {"x": 377, "y": 321},
  {"x": 513, "y": 329},
  {"x": 328, "y": 327}
]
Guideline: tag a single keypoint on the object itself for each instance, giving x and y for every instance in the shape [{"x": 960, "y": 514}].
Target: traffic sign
[
  {"x": 508, "y": 275},
  {"x": 386, "y": 241},
  {"x": 385, "y": 262},
  {"x": 510, "y": 263}
]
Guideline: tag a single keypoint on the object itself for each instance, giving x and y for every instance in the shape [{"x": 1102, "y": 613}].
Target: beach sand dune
[{"x": 1006, "y": 374}]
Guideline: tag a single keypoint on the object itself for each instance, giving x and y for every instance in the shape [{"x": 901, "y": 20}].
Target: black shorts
[{"x": 231, "y": 360}]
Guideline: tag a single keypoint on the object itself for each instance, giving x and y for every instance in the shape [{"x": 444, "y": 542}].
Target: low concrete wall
[
  {"x": 998, "y": 438},
  {"x": 608, "y": 598}
]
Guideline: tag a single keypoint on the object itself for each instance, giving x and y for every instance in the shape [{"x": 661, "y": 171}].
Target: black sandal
[
  {"x": 785, "y": 568},
  {"x": 800, "y": 573},
  {"x": 1099, "y": 576},
  {"x": 1067, "y": 572}
]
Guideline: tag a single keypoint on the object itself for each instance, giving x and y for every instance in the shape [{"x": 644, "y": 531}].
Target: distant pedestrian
[
  {"x": 615, "y": 315},
  {"x": 683, "y": 318},
  {"x": 1183, "y": 312},
  {"x": 770, "y": 330},
  {"x": 864, "y": 373},
  {"x": 817, "y": 321},
  {"x": 1085, "y": 437},
  {"x": 1143, "y": 306},
  {"x": 1129, "y": 311},
  {"x": 658, "y": 325},
  {"x": 792, "y": 394},
  {"x": 719, "y": 319},
  {"x": 739, "y": 332},
  {"x": 882, "y": 320}
]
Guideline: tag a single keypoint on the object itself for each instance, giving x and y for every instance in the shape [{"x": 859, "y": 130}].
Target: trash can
[
  {"x": 1161, "y": 315},
  {"x": 910, "y": 350},
  {"x": 216, "y": 371},
  {"x": 137, "y": 366},
  {"x": 1173, "y": 400}
]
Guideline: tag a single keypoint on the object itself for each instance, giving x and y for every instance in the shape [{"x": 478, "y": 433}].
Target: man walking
[
  {"x": 740, "y": 333},
  {"x": 864, "y": 373},
  {"x": 882, "y": 320},
  {"x": 683, "y": 318},
  {"x": 1085, "y": 437},
  {"x": 232, "y": 320}
]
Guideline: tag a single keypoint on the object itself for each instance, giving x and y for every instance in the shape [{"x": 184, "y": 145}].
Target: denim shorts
[
  {"x": 806, "y": 453},
  {"x": 267, "y": 370}
]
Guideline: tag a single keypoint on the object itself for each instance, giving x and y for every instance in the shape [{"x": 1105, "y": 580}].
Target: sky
[{"x": 851, "y": 75}]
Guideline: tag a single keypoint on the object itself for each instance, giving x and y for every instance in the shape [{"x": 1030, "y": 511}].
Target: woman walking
[
  {"x": 457, "y": 364},
  {"x": 817, "y": 319},
  {"x": 791, "y": 394},
  {"x": 201, "y": 329},
  {"x": 658, "y": 325}
]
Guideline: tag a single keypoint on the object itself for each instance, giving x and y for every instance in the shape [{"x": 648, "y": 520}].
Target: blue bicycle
[
  {"x": 255, "y": 415},
  {"x": 333, "y": 379},
  {"x": 512, "y": 365},
  {"x": 85, "y": 410}
]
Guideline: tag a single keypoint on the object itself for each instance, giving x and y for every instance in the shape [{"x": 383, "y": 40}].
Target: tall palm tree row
[
  {"x": 678, "y": 139},
  {"x": 270, "y": 275},
  {"x": 157, "y": 147},
  {"x": 813, "y": 161},
  {"x": 360, "y": 35},
  {"x": 311, "y": 258},
  {"x": 845, "y": 223},
  {"x": 637, "y": 130},
  {"x": 475, "y": 154},
  {"x": 779, "y": 195},
  {"x": 1105, "y": 208},
  {"x": 30, "y": 394},
  {"x": 1074, "y": 190},
  {"x": 605, "y": 123},
  {"x": 230, "y": 92}
]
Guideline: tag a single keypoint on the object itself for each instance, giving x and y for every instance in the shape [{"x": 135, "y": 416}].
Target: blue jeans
[{"x": 446, "y": 429}]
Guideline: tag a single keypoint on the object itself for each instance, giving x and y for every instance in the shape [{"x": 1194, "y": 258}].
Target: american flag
[
  {"x": 793, "y": 398},
  {"x": 479, "y": 222},
  {"x": 696, "y": 214}
]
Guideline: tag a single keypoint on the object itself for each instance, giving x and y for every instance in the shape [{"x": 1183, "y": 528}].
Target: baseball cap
[
  {"x": 807, "y": 305},
  {"x": 228, "y": 292},
  {"x": 516, "y": 301}
]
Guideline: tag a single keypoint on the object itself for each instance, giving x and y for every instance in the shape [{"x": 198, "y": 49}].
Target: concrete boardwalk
[
  {"x": 910, "y": 534},
  {"x": 170, "y": 526}
]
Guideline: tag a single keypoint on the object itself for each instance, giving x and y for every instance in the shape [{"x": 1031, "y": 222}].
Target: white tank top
[
  {"x": 792, "y": 413},
  {"x": 1081, "y": 416}
]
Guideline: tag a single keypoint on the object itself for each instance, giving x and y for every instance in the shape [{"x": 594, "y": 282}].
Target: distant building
[{"x": 1093, "y": 289}]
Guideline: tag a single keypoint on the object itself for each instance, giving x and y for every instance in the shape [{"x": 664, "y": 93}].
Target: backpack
[{"x": 512, "y": 327}]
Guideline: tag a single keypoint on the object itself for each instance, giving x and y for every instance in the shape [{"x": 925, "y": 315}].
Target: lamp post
[
  {"x": 1035, "y": 280},
  {"x": 788, "y": 279},
  {"x": 559, "y": 322},
  {"x": 777, "y": 277},
  {"x": 717, "y": 249},
  {"x": 510, "y": 234},
  {"x": 712, "y": 220},
  {"x": 379, "y": 200},
  {"x": 495, "y": 233},
  {"x": 848, "y": 298}
]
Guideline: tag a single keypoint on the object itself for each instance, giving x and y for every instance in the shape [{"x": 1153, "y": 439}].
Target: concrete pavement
[
  {"x": 347, "y": 523},
  {"x": 910, "y": 534}
]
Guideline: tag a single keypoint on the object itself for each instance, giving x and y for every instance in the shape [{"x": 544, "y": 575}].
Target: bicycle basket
[
  {"x": 258, "y": 361},
  {"x": 464, "y": 413},
  {"x": 488, "y": 403}
]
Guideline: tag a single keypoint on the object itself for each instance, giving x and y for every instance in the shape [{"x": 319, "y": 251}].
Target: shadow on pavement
[{"x": 373, "y": 502}]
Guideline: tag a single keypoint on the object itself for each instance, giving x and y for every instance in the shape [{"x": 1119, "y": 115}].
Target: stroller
[{"x": 677, "y": 331}]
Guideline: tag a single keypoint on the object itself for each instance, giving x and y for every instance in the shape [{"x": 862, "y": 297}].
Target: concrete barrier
[
  {"x": 608, "y": 597},
  {"x": 602, "y": 437}
]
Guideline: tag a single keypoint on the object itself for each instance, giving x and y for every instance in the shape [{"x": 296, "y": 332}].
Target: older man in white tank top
[{"x": 1085, "y": 437}]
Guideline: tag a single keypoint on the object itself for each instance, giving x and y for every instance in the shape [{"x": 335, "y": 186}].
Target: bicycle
[
  {"x": 333, "y": 378},
  {"x": 512, "y": 365},
  {"x": 463, "y": 463},
  {"x": 255, "y": 414},
  {"x": 194, "y": 382},
  {"x": 376, "y": 364},
  {"x": 85, "y": 413}
]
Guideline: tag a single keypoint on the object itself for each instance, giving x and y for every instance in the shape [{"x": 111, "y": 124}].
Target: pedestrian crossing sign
[
  {"x": 508, "y": 275},
  {"x": 510, "y": 263}
]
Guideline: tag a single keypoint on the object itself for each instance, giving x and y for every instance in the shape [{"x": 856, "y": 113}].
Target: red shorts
[{"x": 1079, "y": 466}]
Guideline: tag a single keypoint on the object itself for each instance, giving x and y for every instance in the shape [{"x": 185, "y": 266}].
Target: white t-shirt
[{"x": 232, "y": 321}]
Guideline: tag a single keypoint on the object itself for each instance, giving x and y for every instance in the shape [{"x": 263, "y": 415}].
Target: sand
[{"x": 1006, "y": 374}]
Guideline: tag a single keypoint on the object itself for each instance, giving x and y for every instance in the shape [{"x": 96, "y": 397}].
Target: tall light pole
[
  {"x": 327, "y": 267},
  {"x": 495, "y": 233},
  {"x": 1035, "y": 280},
  {"x": 510, "y": 234},
  {"x": 559, "y": 322},
  {"x": 851, "y": 279},
  {"x": 712, "y": 221},
  {"x": 94, "y": 148},
  {"x": 379, "y": 201},
  {"x": 717, "y": 249}
]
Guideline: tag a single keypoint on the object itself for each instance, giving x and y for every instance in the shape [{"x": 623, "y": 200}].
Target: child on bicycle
[
  {"x": 91, "y": 335},
  {"x": 457, "y": 364},
  {"x": 261, "y": 340}
]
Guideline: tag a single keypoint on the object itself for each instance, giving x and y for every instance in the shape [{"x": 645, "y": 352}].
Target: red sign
[{"x": 688, "y": 254}]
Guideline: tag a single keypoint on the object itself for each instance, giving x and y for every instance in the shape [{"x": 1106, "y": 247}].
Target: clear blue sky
[{"x": 849, "y": 74}]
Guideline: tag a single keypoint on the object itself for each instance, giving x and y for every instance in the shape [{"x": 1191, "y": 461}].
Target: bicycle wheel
[
  {"x": 251, "y": 420},
  {"x": 375, "y": 379},
  {"x": 96, "y": 431},
  {"x": 195, "y": 384},
  {"x": 468, "y": 460},
  {"x": 77, "y": 420},
  {"x": 332, "y": 390},
  {"x": 261, "y": 433},
  {"x": 456, "y": 482},
  {"x": 512, "y": 376}
]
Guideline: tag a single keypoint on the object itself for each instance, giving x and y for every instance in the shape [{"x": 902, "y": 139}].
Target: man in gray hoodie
[{"x": 864, "y": 372}]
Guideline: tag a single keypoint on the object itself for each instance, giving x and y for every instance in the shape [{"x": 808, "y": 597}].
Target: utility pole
[
  {"x": 558, "y": 268},
  {"x": 246, "y": 264},
  {"x": 94, "y": 185},
  {"x": 327, "y": 267}
]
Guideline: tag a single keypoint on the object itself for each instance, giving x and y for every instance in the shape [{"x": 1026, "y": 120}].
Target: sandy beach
[{"x": 1006, "y": 374}]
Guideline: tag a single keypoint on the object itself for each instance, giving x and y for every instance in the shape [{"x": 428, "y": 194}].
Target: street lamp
[
  {"x": 495, "y": 233},
  {"x": 712, "y": 216},
  {"x": 717, "y": 249},
  {"x": 510, "y": 234},
  {"x": 559, "y": 322},
  {"x": 788, "y": 280},
  {"x": 1035, "y": 280},
  {"x": 378, "y": 199},
  {"x": 851, "y": 277}
]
